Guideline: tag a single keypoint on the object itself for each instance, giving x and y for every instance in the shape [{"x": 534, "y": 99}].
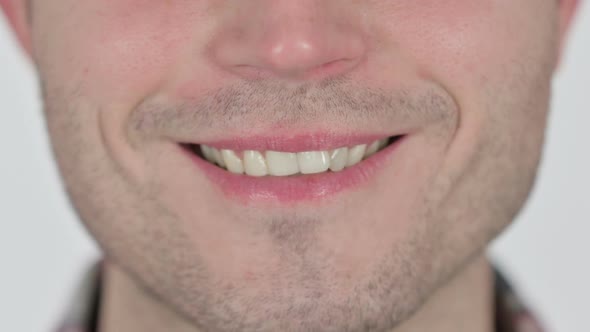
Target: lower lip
[{"x": 294, "y": 189}]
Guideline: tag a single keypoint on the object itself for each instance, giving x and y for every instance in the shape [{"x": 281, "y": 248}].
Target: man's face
[{"x": 132, "y": 87}]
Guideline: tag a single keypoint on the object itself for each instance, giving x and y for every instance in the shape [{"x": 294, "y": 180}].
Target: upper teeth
[{"x": 275, "y": 163}]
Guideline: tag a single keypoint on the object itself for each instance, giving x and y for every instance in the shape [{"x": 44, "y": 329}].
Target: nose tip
[
  {"x": 290, "y": 56},
  {"x": 308, "y": 55},
  {"x": 289, "y": 48}
]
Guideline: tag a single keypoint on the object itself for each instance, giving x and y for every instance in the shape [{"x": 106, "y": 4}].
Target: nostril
[{"x": 290, "y": 46}]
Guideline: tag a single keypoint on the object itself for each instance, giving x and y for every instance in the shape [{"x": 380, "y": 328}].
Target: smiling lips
[{"x": 290, "y": 176}]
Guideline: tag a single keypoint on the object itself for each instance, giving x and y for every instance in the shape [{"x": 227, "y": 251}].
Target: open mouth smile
[
  {"x": 276, "y": 163},
  {"x": 290, "y": 172}
]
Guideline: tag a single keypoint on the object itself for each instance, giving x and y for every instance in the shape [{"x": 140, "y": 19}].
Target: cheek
[
  {"x": 470, "y": 45},
  {"x": 494, "y": 57},
  {"x": 116, "y": 50}
]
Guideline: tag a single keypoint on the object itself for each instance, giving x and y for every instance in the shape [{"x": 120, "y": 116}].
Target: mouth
[
  {"x": 293, "y": 169},
  {"x": 255, "y": 163}
]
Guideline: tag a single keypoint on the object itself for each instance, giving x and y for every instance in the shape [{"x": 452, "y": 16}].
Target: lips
[{"x": 285, "y": 175}]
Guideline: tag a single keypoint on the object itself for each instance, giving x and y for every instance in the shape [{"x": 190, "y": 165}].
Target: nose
[{"x": 289, "y": 39}]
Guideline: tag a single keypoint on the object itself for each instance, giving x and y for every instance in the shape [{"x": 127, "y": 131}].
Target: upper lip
[
  {"x": 266, "y": 116},
  {"x": 294, "y": 142}
]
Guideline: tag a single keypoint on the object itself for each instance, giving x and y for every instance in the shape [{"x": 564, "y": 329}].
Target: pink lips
[
  {"x": 297, "y": 188},
  {"x": 294, "y": 143}
]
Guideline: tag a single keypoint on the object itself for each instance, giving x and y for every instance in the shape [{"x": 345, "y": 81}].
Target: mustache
[{"x": 266, "y": 104}]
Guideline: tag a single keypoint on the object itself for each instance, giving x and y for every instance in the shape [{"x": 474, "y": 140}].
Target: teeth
[
  {"x": 356, "y": 154},
  {"x": 232, "y": 161},
  {"x": 313, "y": 162},
  {"x": 217, "y": 157},
  {"x": 338, "y": 159},
  {"x": 275, "y": 163},
  {"x": 254, "y": 163},
  {"x": 208, "y": 153},
  {"x": 281, "y": 163},
  {"x": 371, "y": 149}
]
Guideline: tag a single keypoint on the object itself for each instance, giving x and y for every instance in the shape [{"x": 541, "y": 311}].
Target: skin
[{"x": 124, "y": 81}]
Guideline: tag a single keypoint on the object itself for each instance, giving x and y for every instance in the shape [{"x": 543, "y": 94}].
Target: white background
[{"x": 43, "y": 249}]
